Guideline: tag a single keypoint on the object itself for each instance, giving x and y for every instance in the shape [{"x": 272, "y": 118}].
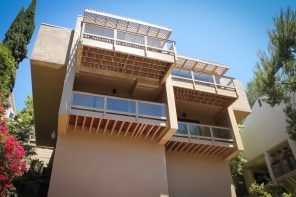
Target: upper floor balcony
[
  {"x": 200, "y": 139},
  {"x": 203, "y": 83},
  {"x": 100, "y": 114},
  {"x": 118, "y": 44}
]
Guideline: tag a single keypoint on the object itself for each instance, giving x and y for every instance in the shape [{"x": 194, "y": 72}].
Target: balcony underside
[
  {"x": 88, "y": 123},
  {"x": 92, "y": 59},
  {"x": 202, "y": 97},
  {"x": 200, "y": 147}
]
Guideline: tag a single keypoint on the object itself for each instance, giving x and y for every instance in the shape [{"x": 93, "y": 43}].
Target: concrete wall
[
  {"x": 241, "y": 107},
  {"x": 48, "y": 60},
  {"x": 88, "y": 165},
  {"x": 52, "y": 44},
  {"x": 192, "y": 176},
  {"x": 265, "y": 128}
]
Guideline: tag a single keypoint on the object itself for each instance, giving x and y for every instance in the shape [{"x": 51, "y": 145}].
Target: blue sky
[{"x": 225, "y": 31}]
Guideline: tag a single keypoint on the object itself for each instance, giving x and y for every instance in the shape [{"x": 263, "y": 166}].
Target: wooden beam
[
  {"x": 113, "y": 127},
  {"x": 76, "y": 120},
  {"x": 135, "y": 129},
  {"x": 127, "y": 129},
  {"x": 98, "y": 126},
  {"x": 83, "y": 123},
  {"x": 106, "y": 126},
  {"x": 91, "y": 123},
  {"x": 172, "y": 144},
  {"x": 152, "y": 126},
  {"x": 122, "y": 123},
  {"x": 142, "y": 130},
  {"x": 155, "y": 132}
]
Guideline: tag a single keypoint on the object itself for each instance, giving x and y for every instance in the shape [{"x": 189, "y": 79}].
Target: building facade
[
  {"x": 269, "y": 150},
  {"x": 128, "y": 116}
]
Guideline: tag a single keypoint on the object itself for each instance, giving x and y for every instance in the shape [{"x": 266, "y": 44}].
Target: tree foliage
[
  {"x": 7, "y": 73},
  {"x": 12, "y": 162},
  {"x": 267, "y": 190},
  {"x": 20, "y": 32},
  {"x": 275, "y": 73},
  {"x": 23, "y": 126}
]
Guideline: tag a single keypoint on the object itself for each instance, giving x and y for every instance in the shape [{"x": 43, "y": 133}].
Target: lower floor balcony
[
  {"x": 201, "y": 139},
  {"x": 100, "y": 114}
]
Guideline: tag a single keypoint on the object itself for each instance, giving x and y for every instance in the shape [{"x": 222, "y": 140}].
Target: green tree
[
  {"x": 275, "y": 73},
  {"x": 20, "y": 32},
  {"x": 7, "y": 73},
  {"x": 15, "y": 40},
  {"x": 22, "y": 126}
]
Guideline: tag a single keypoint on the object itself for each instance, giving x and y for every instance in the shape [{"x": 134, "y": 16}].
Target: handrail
[
  {"x": 191, "y": 77},
  {"x": 134, "y": 104},
  {"x": 114, "y": 39},
  {"x": 207, "y": 133}
]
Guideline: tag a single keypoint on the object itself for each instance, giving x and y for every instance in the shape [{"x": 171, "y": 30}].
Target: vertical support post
[
  {"x": 145, "y": 43},
  {"x": 188, "y": 132},
  {"x": 193, "y": 80},
  {"x": 212, "y": 135},
  {"x": 81, "y": 30},
  {"x": 215, "y": 84},
  {"x": 268, "y": 164},
  {"x": 114, "y": 38},
  {"x": 175, "y": 51},
  {"x": 105, "y": 106},
  {"x": 137, "y": 111}
]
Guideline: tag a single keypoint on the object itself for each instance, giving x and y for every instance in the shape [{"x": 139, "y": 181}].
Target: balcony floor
[
  {"x": 100, "y": 125},
  {"x": 203, "y": 97},
  {"x": 94, "y": 60},
  {"x": 200, "y": 147}
]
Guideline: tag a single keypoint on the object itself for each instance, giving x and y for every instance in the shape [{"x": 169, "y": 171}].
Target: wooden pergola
[
  {"x": 194, "y": 64},
  {"x": 126, "y": 24}
]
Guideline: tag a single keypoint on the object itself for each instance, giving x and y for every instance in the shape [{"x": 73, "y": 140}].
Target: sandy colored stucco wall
[
  {"x": 265, "y": 128},
  {"x": 192, "y": 176},
  {"x": 88, "y": 165}
]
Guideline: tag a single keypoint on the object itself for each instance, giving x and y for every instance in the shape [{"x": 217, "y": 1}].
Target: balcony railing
[
  {"x": 204, "y": 132},
  {"x": 119, "y": 106},
  {"x": 198, "y": 78},
  {"x": 128, "y": 39}
]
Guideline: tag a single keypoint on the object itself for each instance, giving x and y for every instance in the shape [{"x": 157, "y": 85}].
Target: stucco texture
[
  {"x": 193, "y": 176},
  {"x": 89, "y": 165}
]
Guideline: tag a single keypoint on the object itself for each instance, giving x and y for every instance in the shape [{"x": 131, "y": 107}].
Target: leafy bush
[
  {"x": 7, "y": 73},
  {"x": 267, "y": 190},
  {"x": 11, "y": 160}
]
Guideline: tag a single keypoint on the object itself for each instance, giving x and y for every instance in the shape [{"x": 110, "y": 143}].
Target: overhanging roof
[
  {"x": 126, "y": 24},
  {"x": 195, "y": 64}
]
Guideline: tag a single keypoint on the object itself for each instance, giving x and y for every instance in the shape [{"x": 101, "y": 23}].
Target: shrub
[{"x": 11, "y": 160}]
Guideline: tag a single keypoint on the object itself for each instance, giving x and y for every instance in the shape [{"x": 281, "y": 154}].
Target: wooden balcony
[
  {"x": 204, "y": 88},
  {"x": 99, "y": 114},
  {"x": 203, "y": 140},
  {"x": 117, "y": 44}
]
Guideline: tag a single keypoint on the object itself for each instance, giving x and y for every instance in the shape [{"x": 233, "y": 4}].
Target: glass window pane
[
  {"x": 83, "y": 100},
  {"x": 151, "y": 109},
  {"x": 203, "y": 77},
  {"x": 199, "y": 130},
  {"x": 222, "y": 133},
  {"x": 182, "y": 128},
  {"x": 100, "y": 31},
  {"x": 130, "y": 37},
  {"x": 120, "y": 105},
  {"x": 99, "y": 102},
  {"x": 223, "y": 81},
  {"x": 182, "y": 73}
]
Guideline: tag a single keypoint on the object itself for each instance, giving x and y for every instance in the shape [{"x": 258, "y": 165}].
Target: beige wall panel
[
  {"x": 192, "y": 176},
  {"x": 88, "y": 165}
]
